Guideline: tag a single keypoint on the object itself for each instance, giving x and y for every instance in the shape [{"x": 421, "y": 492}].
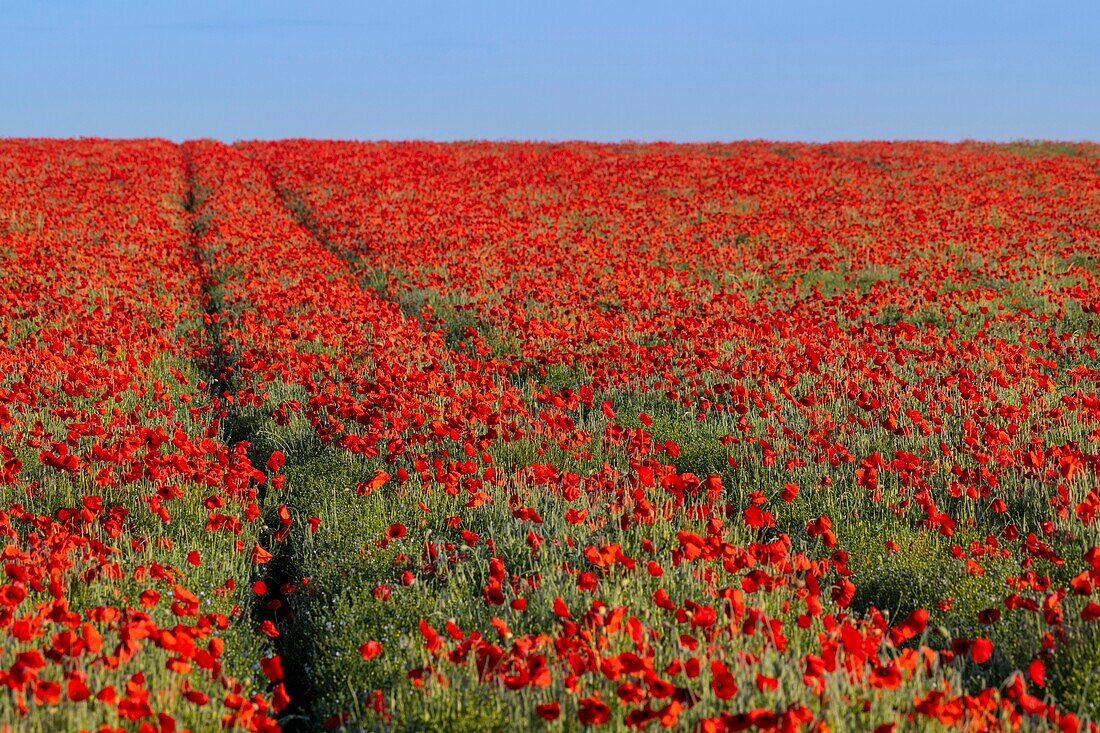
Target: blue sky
[{"x": 562, "y": 70}]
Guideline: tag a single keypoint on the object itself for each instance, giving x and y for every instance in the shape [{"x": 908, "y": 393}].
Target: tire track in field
[
  {"x": 219, "y": 364},
  {"x": 296, "y": 646},
  {"x": 453, "y": 331},
  {"x": 275, "y": 289}
]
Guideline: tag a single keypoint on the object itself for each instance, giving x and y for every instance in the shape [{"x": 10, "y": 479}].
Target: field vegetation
[{"x": 487, "y": 437}]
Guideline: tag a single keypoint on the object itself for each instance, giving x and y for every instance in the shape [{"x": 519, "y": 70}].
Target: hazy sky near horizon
[{"x": 683, "y": 71}]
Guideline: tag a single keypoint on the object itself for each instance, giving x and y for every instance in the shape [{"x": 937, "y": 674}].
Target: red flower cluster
[
  {"x": 910, "y": 322},
  {"x": 125, "y": 514}
]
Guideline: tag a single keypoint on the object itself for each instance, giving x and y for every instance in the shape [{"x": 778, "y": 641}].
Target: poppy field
[{"x": 310, "y": 436}]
